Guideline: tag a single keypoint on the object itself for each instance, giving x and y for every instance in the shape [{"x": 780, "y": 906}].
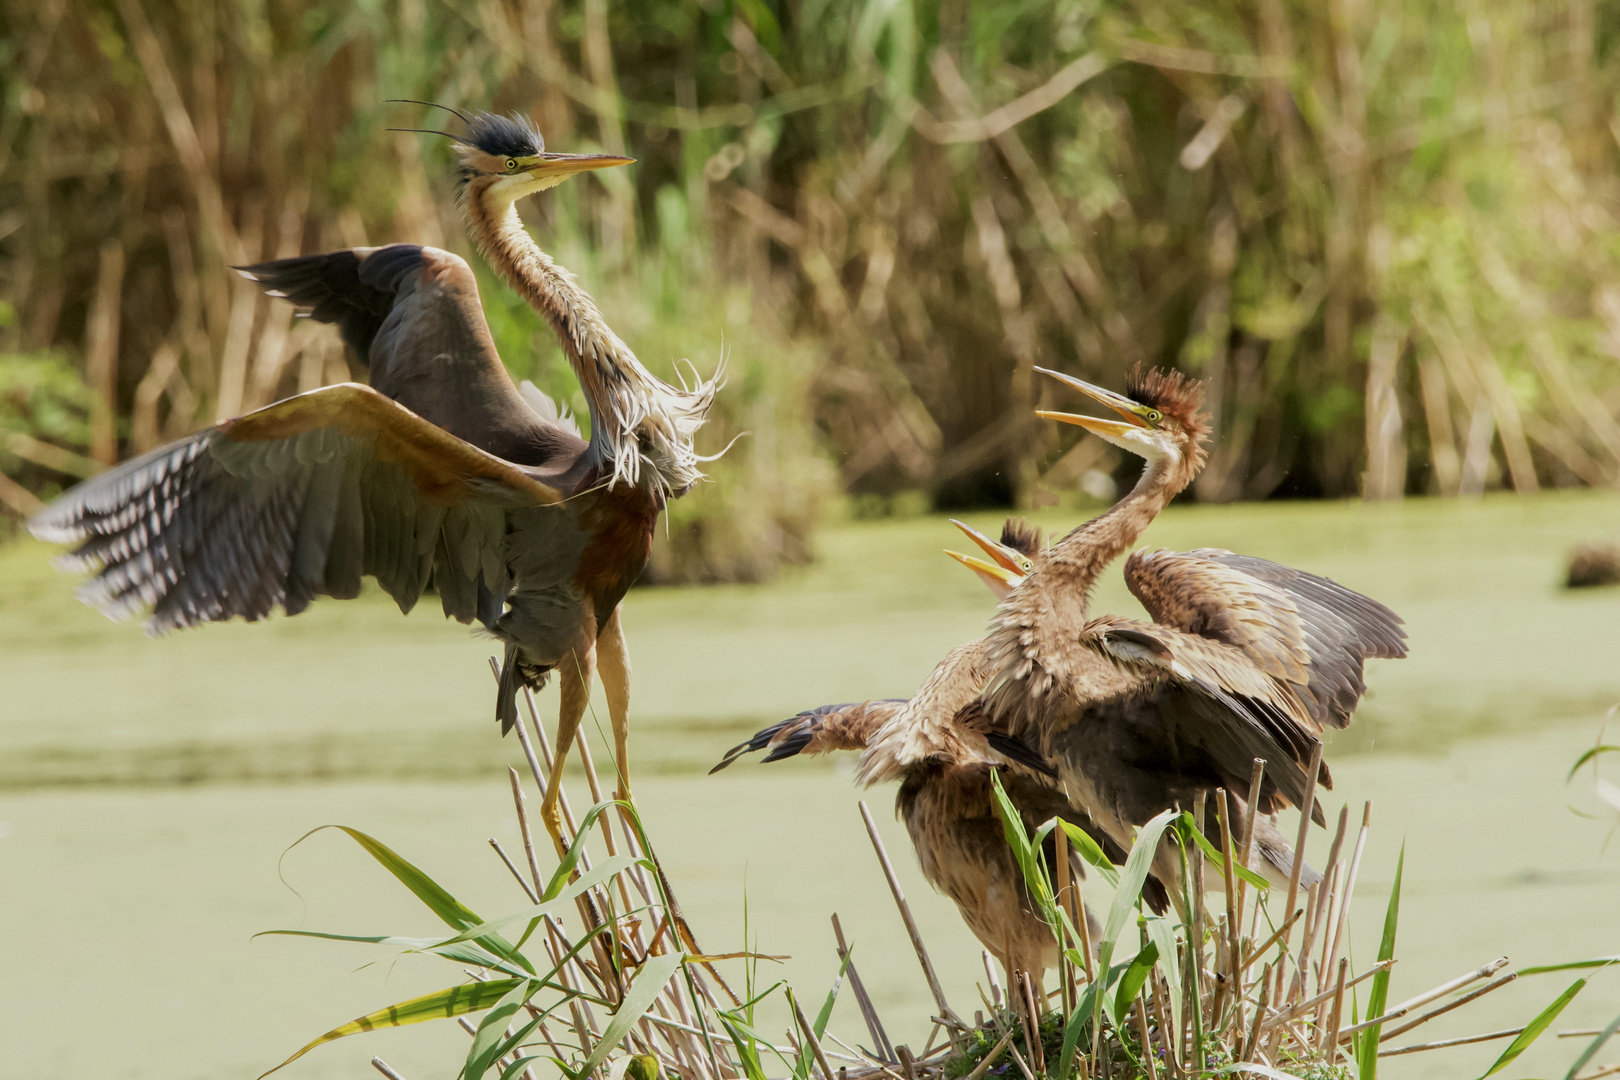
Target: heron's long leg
[
  {"x": 613, "y": 660},
  {"x": 574, "y": 675}
]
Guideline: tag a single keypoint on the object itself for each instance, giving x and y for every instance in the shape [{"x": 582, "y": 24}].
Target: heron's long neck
[
  {"x": 1080, "y": 558},
  {"x": 594, "y": 351}
]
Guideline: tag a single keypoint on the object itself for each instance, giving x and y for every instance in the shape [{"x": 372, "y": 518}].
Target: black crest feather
[
  {"x": 1021, "y": 536},
  {"x": 504, "y": 136}
]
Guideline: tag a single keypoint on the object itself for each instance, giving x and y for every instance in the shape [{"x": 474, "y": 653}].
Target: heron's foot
[{"x": 551, "y": 818}]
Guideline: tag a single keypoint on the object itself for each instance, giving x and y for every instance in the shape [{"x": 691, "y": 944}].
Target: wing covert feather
[
  {"x": 301, "y": 498},
  {"x": 1307, "y": 630}
]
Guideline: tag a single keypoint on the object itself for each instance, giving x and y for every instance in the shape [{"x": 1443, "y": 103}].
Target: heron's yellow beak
[
  {"x": 1136, "y": 414},
  {"x": 1004, "y": 557},
  {"x": 562, "y": 166},
  {"x": 1000, "y": 580}
]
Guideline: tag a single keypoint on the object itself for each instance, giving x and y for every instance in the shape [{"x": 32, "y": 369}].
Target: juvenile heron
[
  {"x": 1244, "y": 659},
  {"x": 439, "y": 474},
  {"x": 944, "y": 762}
]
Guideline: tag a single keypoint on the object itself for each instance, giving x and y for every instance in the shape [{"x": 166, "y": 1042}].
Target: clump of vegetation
[
  {"x": 1592, "y": 565},
  {"x": 597, "y": 976}
]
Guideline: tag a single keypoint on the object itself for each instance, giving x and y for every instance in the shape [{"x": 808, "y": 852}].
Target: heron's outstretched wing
[
  {"x": 412, "y": 315},
  {"x": 298, "y": 499},
  {"x": 1306, "y": 630},
  {"x": 818, "y": 731}
]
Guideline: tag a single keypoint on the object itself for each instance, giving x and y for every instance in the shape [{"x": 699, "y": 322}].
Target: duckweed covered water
[{"x": 148, "y": 788}]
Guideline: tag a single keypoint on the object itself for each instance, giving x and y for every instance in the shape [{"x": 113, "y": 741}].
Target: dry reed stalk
[
  {"x": 1432, "y": 1013},
  {"x": 905, "y": 916},
  {"x": 1065, "y": 899},
  {"x": 1606, "y": 1070},
  {"x": 1350, "y": 885},
  {"x": 523, "y": 827},
  {"x": 997, "y": 998},
  {"x": 1330, "y": 1035},
  {"x": 1259, "y": 950},
  {"x": 1233, "y": 930},
  {"x": 1168, "y": 1036},
  {"x": 874, "y": 1025},
  {"x": 1312, "y": 772},
  {"x": 1147, "y": 1040},
  {"x": 382, "y": 1066},
  {"x": 1464, "y": 1041},
  {"x": 809, "y": 1034},
  {"x": 1252, "y": 1042},
  {"x": 517, "y": 875},
  {"x": 1246, "y": 842},
  {"x": 1293, "y": 1012}
]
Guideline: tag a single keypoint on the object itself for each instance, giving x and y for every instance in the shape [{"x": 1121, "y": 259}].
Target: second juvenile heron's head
[{"x": 1010, "y": 560}]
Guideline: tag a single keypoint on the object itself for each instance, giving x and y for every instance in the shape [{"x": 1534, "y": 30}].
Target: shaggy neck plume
[{"x": 552, "y": 291}]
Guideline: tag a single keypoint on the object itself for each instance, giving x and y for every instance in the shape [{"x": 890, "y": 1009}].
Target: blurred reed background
[{"x": 1387, "y": 233}]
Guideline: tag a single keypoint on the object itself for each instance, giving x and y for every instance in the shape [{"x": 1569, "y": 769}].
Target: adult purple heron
[
  {"x": 1244, "y": 658},
  {"x": 438, "y": 475}
]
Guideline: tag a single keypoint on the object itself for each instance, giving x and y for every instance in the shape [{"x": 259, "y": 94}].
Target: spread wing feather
[
  {"x": 1308, "y": 631},
  {"x": 299, "y": 499},
  {"x": 818, "y": 731}
]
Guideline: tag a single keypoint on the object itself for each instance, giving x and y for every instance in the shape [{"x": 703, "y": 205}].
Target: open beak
[
  {"x": 1002, "y": 572},
  {"x": 561, "y": 166},
  {"x": 1124, "y": 406},
  {"x": 1003, "y": 556},
  {"x": 999, "y": 578}
]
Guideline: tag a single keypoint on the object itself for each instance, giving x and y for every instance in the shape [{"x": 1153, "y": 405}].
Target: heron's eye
[
  {"x": 511, "y": 164},
  {"x": 1154, "y": 416},
  {"x": 1025, "y": 565}
]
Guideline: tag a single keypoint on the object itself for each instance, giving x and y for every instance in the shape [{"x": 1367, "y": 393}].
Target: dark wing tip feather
[{"x": 1016, "y": 750}]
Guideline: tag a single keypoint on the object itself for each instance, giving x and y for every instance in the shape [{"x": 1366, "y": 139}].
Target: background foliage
[{"x": 1387, "y": 233}]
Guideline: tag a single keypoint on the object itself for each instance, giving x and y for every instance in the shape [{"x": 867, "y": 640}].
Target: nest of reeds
[{"x": 597, "y": 974}]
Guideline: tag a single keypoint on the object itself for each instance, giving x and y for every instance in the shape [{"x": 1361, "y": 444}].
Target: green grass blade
[
  {"x": 1367, "y": 1040},
  {"x": 1075, "y": 1029},
  {"x": 452, "y": 1001},
  {"x": 1588, "y": 756},
  {"x": 603, "y": 871},
  {"x": 648, "y": 984},
  {"x": 1572, "y": 965},
  {"x": 1533, "y": 1030},
  {"x": 453, "y": 912},
  {"x": 491, "y": 1033},
  {"x": 1189, "y": 829},
  {"x": 1163, "y": 934},
  {"x": 1592, "y": 1048},
  {"x": 515, "y": 1070},
  {"x": 1080, "y": 841}
]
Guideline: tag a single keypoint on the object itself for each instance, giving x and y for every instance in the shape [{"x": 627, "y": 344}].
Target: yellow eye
[
  {"x": 1154, "y": 416},
  {"x": 511, "y": 164},
  {"x": 1025, "y": 565}
]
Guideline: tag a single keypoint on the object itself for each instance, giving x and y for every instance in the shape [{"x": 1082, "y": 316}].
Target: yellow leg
[
  {"x": 614, "y": 660},
  {"x": 574, "y": 674}
]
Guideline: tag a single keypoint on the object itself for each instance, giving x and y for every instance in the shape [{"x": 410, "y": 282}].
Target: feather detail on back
[{"x": 547, "y": 408}]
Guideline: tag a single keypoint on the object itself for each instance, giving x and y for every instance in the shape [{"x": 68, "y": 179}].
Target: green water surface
[{"x": 148, "y": 788}]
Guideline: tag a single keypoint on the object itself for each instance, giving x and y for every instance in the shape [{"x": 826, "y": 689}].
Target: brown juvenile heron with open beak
[
  {"x": 1244, "y": 658},
  {"x": 944, "y": 761},
  {"x": 438, "y": 475}
]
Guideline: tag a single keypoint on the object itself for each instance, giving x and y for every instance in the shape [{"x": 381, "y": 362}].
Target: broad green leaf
[
  {"x": 1081, "y": 841},
  {"x": 452, "y": 1001},
  {"x": 648, "y": 984},
  {"x": 1367, "y": 1039},
  {"x": 571, "y": 858},
  {"x": 1592, "y": 1048},
  {"x": 515, "y": 1070},
  {"x": 1126, "y": 897},
  {"x": 491, "y": 1031},
  {"x": 1187, "y": 828},
  {"x": 1533, "y": 1030},
  {"x": 1130, "y": 983},
  {"x": 1083, "y": 1010}
]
